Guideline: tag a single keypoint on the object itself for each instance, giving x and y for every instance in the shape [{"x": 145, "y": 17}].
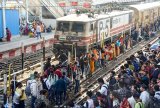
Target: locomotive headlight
[{"x": 62, "y": 37}]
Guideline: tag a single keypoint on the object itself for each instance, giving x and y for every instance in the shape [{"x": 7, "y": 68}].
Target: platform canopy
[
  {"x": 11, "y": 3},
  {"x": 145, "y": 6}
]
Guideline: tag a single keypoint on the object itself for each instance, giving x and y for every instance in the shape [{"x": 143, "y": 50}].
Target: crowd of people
[
  {"x": 136, "y": 85},
  {"x": 35, "y": 29}
]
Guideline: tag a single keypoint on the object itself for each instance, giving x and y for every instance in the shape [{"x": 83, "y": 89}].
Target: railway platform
[{"x": 13, "y": 48}]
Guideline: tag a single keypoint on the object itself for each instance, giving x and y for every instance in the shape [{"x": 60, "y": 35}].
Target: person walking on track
[{"x": 92, "y": 63}]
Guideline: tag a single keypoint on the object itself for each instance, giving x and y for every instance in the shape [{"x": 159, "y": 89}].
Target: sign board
[
  {"x": 62, "y": 4},
  {"x": 86, "y": 5},
  {"x": 120, "y": 21},
  {"x": 103, "y": 28},
  {"x": 74, "y": 3}
]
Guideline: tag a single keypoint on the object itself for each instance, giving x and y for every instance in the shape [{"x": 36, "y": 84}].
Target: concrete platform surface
[{"x": 13, "y": 48}]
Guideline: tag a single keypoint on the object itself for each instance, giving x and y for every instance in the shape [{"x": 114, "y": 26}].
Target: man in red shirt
[{"x": 58, "y": 73}]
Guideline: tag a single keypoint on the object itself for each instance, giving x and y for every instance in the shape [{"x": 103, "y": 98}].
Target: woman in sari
[{"x": 92, "y": 67}]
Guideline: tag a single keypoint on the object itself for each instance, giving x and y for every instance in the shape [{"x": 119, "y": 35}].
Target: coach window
[
  {"x": 77, "y": 27},
  {"x": 63, "y": 26},
  {"x": 91, "y": 27}
]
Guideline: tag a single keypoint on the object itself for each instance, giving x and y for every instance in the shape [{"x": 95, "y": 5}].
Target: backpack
[
  {"x": 53, "y": 78},
  {"x": 141, "y": 105},
  {"x": 28, "y": 89},
  {"x": 95, "y": 100},
  {"x": 106, "y": 102},
  {"x": 44, "y": 84},
  {"x": 125, "y": 104},
  {"x": 154, "y": 103},
  {"x": 107, "y": 88}
]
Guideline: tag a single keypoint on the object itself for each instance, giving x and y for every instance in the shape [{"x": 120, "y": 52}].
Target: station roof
[
  {"x": 145, "y": 6},
  {"x": 85, "y": 18}
]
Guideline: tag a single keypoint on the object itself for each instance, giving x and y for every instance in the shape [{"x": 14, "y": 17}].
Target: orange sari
[{"x": 92, "y": 68}]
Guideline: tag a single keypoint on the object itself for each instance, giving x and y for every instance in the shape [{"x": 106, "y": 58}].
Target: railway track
[
  {"x": 91, "y": 83},
  {"x": 29, "y": 60}
]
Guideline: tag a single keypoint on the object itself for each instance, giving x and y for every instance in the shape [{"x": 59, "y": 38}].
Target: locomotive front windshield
[
  {"x": 78, "y": 27},
  {"x": 63, "y": 26}
]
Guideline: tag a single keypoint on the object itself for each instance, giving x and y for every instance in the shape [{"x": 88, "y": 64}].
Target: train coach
[
  {"x": 82, "y": 31},
  {"x": 145, "y": 13}
]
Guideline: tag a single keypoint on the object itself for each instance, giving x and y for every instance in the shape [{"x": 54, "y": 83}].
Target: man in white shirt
[
  {"x": 77, "y": 82},
  {"x": 145, "y": 97},
  {"x": 89, "y": 103},
  {"x": 132, "y": 101},
  {"x": 35, "y": 87},
  {"x": 38, "y": 31},
  {"x": 103, "y": 87},
  {"x": 157, "y": 92}
]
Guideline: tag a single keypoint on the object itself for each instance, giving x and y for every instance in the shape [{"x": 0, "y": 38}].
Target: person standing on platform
[
  {"x": 22, "y": 98},
  {"x": 19, "y": 97},
  {"x": 61, "y": 89},
  {"x": 144, "y": 96},
  {"x": 89, "y": 103},
  {"x": 139, "y": 103},
  {"x": 8, "y": 33},
  {"x": 38, "y": 31},
  {"x": 35, "y": 87}
]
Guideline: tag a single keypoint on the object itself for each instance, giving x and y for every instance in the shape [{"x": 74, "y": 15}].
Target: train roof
[
  {"x": 145, "y": 6},
  {"x": 85, "y": 18},
  {"x": 114, "y": 13},
  {"x": 76, "y": 18}
]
